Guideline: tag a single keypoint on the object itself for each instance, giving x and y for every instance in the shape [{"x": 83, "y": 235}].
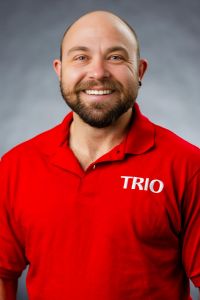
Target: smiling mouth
[{"x": 98, "y": 92}]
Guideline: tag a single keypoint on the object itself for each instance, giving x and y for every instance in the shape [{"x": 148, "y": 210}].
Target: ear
[
  {"x": 57, "y": 67},
  {"x": 143, "y": 64}
]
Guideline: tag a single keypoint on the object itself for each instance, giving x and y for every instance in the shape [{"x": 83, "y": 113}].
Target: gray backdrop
[{"x": 30, "y": 32}]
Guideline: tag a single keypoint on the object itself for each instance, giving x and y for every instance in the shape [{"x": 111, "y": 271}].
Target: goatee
[{"x": 100, "y": 114}]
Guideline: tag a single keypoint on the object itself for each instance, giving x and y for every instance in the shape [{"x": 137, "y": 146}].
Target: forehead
[{"x": 99, "y": 31}]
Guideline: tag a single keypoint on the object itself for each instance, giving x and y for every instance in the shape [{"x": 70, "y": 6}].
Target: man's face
[{"x": 99, "y": 70}]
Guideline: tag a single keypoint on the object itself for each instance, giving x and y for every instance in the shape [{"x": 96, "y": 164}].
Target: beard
[{"x": 100, "y": 114}]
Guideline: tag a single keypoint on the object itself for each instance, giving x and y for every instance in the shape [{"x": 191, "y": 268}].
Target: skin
[
  {"x": 113, "y": 56},
  {"x": 8, "y": 289}
]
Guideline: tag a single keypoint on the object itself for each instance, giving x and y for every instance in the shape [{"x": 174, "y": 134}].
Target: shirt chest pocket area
[
  {"x": 150, "y": 218},
  {"x": 143, "y": 213}
]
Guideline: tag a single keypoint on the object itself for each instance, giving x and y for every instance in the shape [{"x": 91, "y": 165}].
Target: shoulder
[
  {"x": 171, "y": 147},
  {"x": 173, "y": 142},
  {"x": 43, "y": 144}
]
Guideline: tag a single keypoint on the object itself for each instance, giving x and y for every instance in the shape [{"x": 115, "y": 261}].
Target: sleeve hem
[{"x": 8, "y": 274}]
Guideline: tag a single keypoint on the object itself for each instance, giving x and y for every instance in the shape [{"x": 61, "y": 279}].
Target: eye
[
  {"x": 116, "y": 57},
  {"x": 80, "y": 58}
]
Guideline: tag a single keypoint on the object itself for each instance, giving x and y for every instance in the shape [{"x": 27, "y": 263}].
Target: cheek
[
  {"x": 127, "y": 78},
  {"x": 125, "y": 74},
  {"x": 132, "y": 73},
  {"x": 71, "y": 76}
]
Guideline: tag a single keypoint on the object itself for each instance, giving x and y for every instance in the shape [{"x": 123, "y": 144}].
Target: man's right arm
[{"x": 8, "y": 289}]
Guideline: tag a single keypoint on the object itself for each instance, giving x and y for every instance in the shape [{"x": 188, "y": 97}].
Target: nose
[{"x": 97, "y": 69}]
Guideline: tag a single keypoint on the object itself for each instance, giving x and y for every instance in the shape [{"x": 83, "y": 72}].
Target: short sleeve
[
  {"x": 191, "y": 230},
  {"x": 12, "y": 258}
]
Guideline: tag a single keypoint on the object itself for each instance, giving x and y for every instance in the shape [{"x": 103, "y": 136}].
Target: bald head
[
  {"x": 98, "y": 19},
  {"x": 100, "y": 70}
]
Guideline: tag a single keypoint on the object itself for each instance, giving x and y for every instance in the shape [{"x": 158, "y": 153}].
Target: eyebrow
[
  {"x": 78, "y": 48},
  {"x": 117, "y": 48},
  {"x": 109, "y": 50}
]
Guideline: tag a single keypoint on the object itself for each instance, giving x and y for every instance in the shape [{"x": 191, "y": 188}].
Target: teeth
[{"x": 98, "y": 92}]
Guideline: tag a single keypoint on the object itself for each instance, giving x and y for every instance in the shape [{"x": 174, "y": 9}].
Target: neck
[{"x": 89, "y": 143}]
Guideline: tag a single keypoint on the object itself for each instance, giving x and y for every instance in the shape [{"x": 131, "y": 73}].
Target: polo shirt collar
[
  {"x": 141, "y": 135},
  {"x": 140, "y": 139}
]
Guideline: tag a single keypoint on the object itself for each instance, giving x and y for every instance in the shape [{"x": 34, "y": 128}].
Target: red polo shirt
[{"x": 126, "y": 228}]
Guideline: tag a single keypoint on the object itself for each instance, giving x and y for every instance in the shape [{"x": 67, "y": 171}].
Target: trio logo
[{"x": 142, "y": 184}]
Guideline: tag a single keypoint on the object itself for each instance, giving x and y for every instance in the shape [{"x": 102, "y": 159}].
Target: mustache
[{"x": 104, "y": 84}]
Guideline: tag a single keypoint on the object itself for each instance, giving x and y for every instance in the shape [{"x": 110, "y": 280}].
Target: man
[{"x": 106, "y": 205}]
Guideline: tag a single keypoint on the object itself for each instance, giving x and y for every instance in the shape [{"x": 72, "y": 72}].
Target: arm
[{"x": 8, "y": 289}]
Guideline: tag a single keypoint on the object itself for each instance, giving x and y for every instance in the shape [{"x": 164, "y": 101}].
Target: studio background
[{"x": 30, "y": 33}]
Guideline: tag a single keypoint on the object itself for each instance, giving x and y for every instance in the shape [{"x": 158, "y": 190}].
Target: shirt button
[{"x": 94, "y": 166}]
